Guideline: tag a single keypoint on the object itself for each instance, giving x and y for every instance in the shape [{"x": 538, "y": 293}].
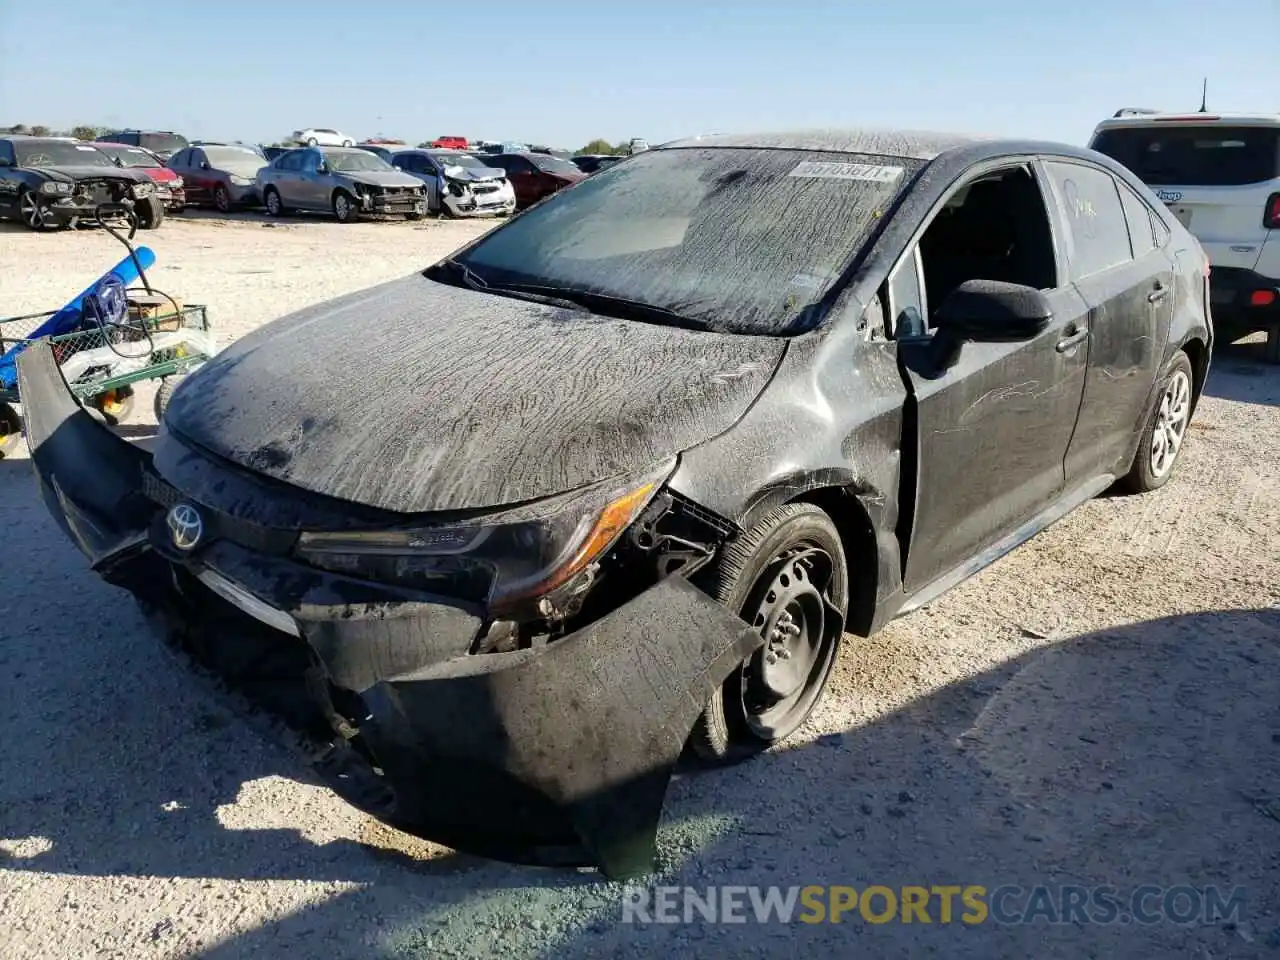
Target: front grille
[
  {"x": 98, "y": 191},
  {"x": 485, "y": 188},
  {"x": 223, "y": 526}
]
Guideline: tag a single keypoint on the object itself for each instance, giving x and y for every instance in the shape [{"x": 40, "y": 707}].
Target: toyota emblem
[{"x": 185, "y": 526}]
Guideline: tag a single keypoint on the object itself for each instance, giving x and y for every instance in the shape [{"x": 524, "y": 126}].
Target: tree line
[{"x": 83, "y": 132}]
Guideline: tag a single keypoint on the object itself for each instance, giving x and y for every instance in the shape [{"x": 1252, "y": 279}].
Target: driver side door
[
  {"x": 991, "y": 431},
  {"x": 9, "y": 179}
]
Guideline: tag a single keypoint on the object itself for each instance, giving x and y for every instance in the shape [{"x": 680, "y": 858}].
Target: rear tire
[
  {"x": 788, "y": 577},
  {"x": 1271, "y": 352},
  {"x": 1165, "y": 430},
  {"x": 164, "y": 393},
  {"x": 10, "y": 429},
  {"x": 116, "y": 406}
]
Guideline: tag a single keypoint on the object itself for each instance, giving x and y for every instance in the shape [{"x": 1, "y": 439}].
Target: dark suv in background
[{"x": 163, "y": 143}]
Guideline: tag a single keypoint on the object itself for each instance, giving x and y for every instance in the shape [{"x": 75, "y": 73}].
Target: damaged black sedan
[{"x": 610, "y": 484}]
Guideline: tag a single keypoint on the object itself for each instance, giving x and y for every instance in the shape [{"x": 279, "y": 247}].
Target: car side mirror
[
  {"x": 988, "y": 311},
  {"x": 4, "y": 162},
  {"x": 204, "y": 164},
  {"x": 322, "y": 168}
]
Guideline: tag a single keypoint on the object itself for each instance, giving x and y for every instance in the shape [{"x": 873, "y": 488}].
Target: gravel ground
[{"x": 1100, "y": 707}]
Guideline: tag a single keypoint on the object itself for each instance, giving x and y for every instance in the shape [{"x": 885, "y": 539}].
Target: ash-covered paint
[{"x": 417, "y": 396}]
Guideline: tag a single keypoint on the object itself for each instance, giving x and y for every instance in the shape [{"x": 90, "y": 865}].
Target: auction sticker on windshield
[{"x": 828, "y": 170}]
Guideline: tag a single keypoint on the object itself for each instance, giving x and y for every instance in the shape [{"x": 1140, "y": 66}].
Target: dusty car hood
[
  {"x": 416, "y": 396},
  {"x": 71, "y": 174},
  {"x": 381, "y": 178},
  {"x": 472, "y": 175}
]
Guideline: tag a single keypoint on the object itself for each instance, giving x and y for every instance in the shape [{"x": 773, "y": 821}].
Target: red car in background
[
  {"x": 449, "y": 143},
  {"x": 170, "y": 190},
  {"x": 533, "y": 175}
]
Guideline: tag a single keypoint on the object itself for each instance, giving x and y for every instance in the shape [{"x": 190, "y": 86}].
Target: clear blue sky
[{"x": 563, "y": 72}]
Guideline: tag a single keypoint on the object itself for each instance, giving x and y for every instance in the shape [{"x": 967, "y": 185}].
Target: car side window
[
  {"x": 6, "y": 153},
  {"x": 1097, "y": 234},
  {"x": 291, "y": 162},
  {"x": 1137, "y": 214},
  {"x": 179, "y": 159},
  {"x": 310, "y": 161},
  {"x": 993, "y": 227},
  {"x": 1161, "y": 229},
  {"x": 197, "y": 157}
]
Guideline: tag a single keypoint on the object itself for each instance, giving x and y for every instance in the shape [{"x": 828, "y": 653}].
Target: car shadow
[
  {"x": 1039, "y": 771},
  {"x": 1240, "y": 372}
]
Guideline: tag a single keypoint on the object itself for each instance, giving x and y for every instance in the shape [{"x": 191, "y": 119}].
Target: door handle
[
  {"x": 1158, "y": 294},
  {"x": 1071, "y": 339}
]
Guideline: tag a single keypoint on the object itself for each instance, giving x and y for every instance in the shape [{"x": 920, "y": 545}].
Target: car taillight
[
  {"x": 1262, "y": 298},
  {"x": 1271, "y": 213}
]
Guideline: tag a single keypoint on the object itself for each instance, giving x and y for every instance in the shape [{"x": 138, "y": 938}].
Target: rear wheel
[
  {"x": 787, "y": 577},
  {"x": 164, "y": 393},
  {"x": 1165, "y": 431},
  {"x": 10, "y": 429},
  {"x": 116, "y": 405}
]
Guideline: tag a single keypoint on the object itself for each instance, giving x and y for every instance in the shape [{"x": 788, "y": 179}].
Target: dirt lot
[{"x": 1102, "y": 707}]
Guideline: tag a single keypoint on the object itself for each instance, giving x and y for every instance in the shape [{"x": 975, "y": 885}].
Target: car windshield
[
  {"x": 549, "y": 164},
  {"x": 59, "y": 153},
  {"x": 463, "y": 160},
  {"x": 733, "y": 239},
  {"x": 1195, "y": 155},
  {"x": 238, "y": 160},
  {"x": 131, "y": 156},
  {"x": 353, "y": 161},
  {"x": 170, "y": 142}
]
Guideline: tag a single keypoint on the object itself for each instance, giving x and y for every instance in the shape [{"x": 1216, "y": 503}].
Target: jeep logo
[{"x": 1169, "y": 196}]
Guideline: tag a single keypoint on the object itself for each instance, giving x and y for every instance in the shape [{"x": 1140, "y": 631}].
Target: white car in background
[
  {"x": 1218, "y": 173},
  {"x": 321, "y": 137}
]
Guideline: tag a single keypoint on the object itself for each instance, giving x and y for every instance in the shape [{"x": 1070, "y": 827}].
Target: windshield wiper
[
  {"x": 621, "y": 307},
  {"x": 476, "y": 282}
]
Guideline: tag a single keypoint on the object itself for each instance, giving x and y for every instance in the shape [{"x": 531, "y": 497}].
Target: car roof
[
  {"x": 1134, "y": 117},
  {"x": 913, "y": 144}
]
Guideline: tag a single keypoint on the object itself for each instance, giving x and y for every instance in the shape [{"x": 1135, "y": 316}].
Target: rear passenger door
[{"x": 1127, "y": 282}]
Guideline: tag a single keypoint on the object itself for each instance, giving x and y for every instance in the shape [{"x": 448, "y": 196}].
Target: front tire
[
  {"x": 222, "y": 199},
  {"x": 1165, "y": 430},
  {"x": 788, "y": 577},
  {"x": 344, "y": 206},
  {"x": 30, "y": 209},
  {"x": 150, "y": 213},
  {"x": 271, "y": 200}
]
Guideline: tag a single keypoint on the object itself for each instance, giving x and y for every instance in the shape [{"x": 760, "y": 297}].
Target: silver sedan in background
[
  {"x": 219, "y": 175},
  {"x": 346, "y": 182}
]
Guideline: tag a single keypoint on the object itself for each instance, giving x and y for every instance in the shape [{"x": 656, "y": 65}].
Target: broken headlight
[
  {"x": 55, "y": 187},
  {"x": 506, "y": 558},
  {"x": 140, "y": 190}
]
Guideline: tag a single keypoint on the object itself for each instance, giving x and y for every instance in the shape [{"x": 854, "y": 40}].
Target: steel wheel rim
[
  {"x": 790, "y": 605},
  {"x": 1172, "y": 418},
  {"x": 30, "y": 210}
]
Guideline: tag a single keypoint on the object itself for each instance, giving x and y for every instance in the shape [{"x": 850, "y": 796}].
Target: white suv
[{"x": 1220, "y": 175}]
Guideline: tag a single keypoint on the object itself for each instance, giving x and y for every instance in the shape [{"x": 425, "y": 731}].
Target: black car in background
[
  {"x": 163, "y": 143},
  {"x": 589, "y": 163},
  {"x": 619, "y": 476},
  {"x": 49, "y": 182}
]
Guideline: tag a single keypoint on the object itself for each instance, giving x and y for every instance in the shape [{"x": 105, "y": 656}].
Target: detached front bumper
[
  {"x": 558, "y": 754},
  {"x": 393, "y": 203}
]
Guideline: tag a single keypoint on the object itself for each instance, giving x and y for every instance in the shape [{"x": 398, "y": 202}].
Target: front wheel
[
  {"x": 31, "y": 210},
  {"x": 150, "y": 213},
  {"x": 788, "y": 577},
  {"x": 1165, "y": 430},
  {"x": 344, "y": 208},
  {"x": 222, "y": 199},
  {"x": 271, "y": 200}
]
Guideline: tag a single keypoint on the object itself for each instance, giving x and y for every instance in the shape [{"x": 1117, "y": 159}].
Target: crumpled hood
[
  {"x": 472, "y": 175},
  {"x": 381, "y": 178},
  {"x": 416, "y": 396},
  {"x": 72, "y": 173}
]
